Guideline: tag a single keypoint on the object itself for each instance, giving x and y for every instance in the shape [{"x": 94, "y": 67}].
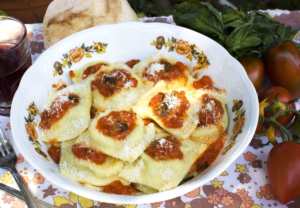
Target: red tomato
[
  {"x": 259, "y": 128},
  {"x": 284, "y": 96},
  {"x": 283, "y": 66},
  {"x": 284, "y": 171},
  {"x": 254, "y": 68}
]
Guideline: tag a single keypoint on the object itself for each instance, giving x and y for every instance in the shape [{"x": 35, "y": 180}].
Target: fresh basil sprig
[{"x": 239, "y": 32}]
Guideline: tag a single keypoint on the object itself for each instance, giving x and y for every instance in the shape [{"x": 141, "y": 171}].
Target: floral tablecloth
[{"x": 244, "y": 184}]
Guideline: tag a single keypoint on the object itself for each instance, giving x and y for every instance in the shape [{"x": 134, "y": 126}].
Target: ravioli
[
  {"x": 111, "y": 166},
  {"x": 87, "y": 71},
  {"x": 174, "y": 110},
  {"x": 121, "y": 134},
  {"x": 116, "y": 87},
  {"x": 163, "y": 174},
  {"x": 160, "y": 67},
  {"x": 145, "y": 189},
  {"x": 67, "y": 113},
  {"x": 71, "y": 167},
  {"x": 213, "y": 116}
]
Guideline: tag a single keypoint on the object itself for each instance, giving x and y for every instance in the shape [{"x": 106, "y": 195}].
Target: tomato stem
[
  {"x": 260, "y": 135},
  {"x": 283, "y": 129},
  {"x": 292, "y": 110}
]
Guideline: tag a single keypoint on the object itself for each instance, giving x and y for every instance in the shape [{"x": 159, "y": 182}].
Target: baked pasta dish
[{"x": 134, "y": 128}]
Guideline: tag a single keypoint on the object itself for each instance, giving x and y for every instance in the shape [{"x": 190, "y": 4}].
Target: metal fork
[{"x": 8, "y": 160}]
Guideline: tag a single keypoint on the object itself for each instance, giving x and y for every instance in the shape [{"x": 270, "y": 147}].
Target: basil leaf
[
  {"x": 234, "y": 24},
  {"x": 262, "y": 24},
  {"x": 229, "y": 17},
  {"x": 201, "y": 17},
  {"x": 289, "y": 33},
  {"x": 238, "y": 35},
  {"x": 249, "y": 42},
  {"x": 227, "y": 9}
]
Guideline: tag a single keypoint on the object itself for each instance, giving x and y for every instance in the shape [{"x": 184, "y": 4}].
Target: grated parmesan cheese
[
  {"x": 162, "y": 141},
  {"x": 171, "y": 100},
  {"x": 155, "y": 67},
  {"x": 128, "y": 84}
]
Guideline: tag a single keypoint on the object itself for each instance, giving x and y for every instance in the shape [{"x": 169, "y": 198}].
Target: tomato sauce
[
  {"x": 170, "y": 108},
  {"x": 165, "y": 149},
  {"x": 204, "y": 83},
  {"x": 148, "y": 121},
  {"x": 58, "y": 108},
  {"x": 54, "y": 153},
  {"x": 169, "y": 73},
  {"x": 86, "y": 153},
  {"x": 210, "y": 154},
  {"x": 132, "y": 62},
  {"x": 117, "y": 125},
  {"x": 63, "y": 86},
  {"x": 72, "y": 74},
  {"x": 112, "y": 82},
  {"x": 117, "y": 187},
  {"x": 211, "y": 111},
  {"x": 92, "y": 70},
  {"x": 93, "y": 112}
]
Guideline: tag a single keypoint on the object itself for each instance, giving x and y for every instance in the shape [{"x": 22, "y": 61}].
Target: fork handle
[{"x": 29, "y": 198}]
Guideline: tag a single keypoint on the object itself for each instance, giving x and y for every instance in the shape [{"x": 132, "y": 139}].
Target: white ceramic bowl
[{"x": 128, "y": 41}]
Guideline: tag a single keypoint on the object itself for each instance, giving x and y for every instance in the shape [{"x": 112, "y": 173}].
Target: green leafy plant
[{"x": 239, "y": 32}]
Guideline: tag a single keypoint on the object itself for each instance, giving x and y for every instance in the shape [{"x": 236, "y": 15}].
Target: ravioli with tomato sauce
[
  {"x": 116, "y": 87},
  {"x": 213, "y": 116},
  {"x": 163, "y": 170},
  {"x": 67, "y": 113},
  {"x": 173, "y": 110},
  {"x": 159, "y": 67},
  {"x": 121, "y": 134},
  {"x": 141, "y": 127},
  {"x": 85, "y": 171},
  {"x": 86, "y": 72}
]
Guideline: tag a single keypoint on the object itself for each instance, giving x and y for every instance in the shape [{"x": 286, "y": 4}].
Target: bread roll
[{"x": 65, "y": 17}]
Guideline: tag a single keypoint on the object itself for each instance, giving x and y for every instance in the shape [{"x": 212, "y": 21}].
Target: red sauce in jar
[
  {"x": 112, "y": 82},
  {"x": 117, "y": 187},
  {"x": 170, "y": 108},
  {"x": 132, "y": 62},
  {"x": 204, "y": 83},
  {"x": 117, "y": 125},
  {"x": 170, "y": 72},
  {"x": 54, "y": 153},
  {"x": 86, "y": 153},
  {"x": 165, "y": 149},
  {"x": 211, "y": 111},
  {"x": 210, "y": 154},
  {"x": 92, "y": 70},
  {"x": 58, "y": 108}
]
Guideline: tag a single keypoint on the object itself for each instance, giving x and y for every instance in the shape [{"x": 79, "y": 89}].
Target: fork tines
[{"x": 5, "y": 147}]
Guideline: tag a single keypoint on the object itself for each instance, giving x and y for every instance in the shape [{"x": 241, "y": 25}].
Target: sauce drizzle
[
  {"x": 92, "y": 70},
  {"x": 86, "y": 153},
  {"x": 170, "y": 107},
  {"x": 165, "y": 149},
  {"x": 117, "y": 187},
  {"x": 112, "y": 82},
  {"x": 204, "y": 83},
  {"x": 54, "y": 153},
  {"x": 211, "y": 111},
  {"x": 165, "y": 71},
  {"x": 132, "y": 62},
  {"x": 117, "y": 125},
  {"x": 58, "y": 108}
]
